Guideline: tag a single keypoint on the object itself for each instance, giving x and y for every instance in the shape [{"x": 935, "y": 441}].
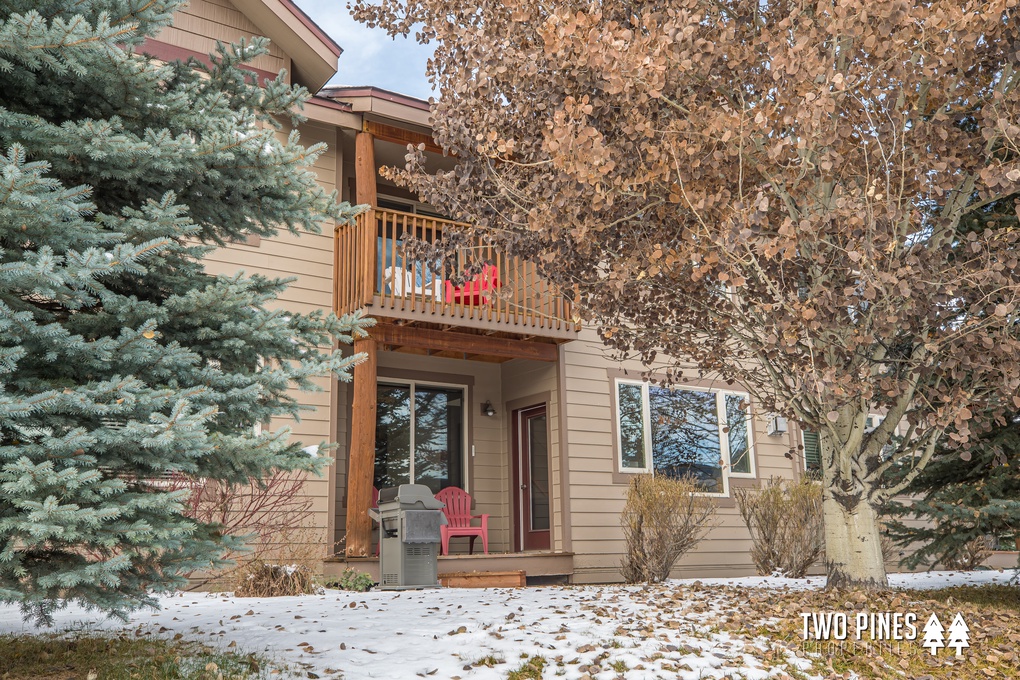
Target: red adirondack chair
[
  {"x": 458, "y": 517},
  {"x": 473, "y": 291}
]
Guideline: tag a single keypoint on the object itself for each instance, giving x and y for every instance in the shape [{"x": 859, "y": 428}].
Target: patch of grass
[
  {"x": 990, "y": 612},
  {"x": 489, "y": 661},
  {"x": 123, "y": 657},
  {"x": 996, "y": 596},
  {"x": 529, "y": 670},
  {"x": 620, "y": 666},
  {"x": 351, "y": 579}
]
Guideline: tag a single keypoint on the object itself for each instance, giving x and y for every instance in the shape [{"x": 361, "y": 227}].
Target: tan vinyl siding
[
  {"x": 200, "y": 23},
  {"x": 308, "y": 258},
  {"x": 596, "y": 498}
]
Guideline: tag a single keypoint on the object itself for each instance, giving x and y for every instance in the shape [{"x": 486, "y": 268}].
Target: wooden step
[{"x": 484, "y": 579}]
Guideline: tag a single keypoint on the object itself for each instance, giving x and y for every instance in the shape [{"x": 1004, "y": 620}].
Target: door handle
[{"x": 524, "y": 486}]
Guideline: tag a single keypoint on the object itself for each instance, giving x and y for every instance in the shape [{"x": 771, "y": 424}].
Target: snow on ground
[{"x": 596, "y": 632}]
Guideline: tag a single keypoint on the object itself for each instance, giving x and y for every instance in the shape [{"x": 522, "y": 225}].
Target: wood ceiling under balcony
[{"x": 450, "y": 341}]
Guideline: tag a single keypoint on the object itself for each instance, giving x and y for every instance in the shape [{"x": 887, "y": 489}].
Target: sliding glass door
[{"x": 419, "y": 435}]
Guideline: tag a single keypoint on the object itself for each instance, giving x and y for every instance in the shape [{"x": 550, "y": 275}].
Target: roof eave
[{"x": 314, "y": 55}]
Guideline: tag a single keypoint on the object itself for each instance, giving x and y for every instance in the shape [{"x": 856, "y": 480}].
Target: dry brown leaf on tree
[{"x": 834, "y": 184}]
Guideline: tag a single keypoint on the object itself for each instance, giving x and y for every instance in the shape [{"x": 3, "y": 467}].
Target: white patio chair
[{"x": 402, "y": 282}]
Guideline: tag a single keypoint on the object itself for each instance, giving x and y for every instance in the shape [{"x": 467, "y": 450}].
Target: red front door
[{"x": 531, "y": 479}]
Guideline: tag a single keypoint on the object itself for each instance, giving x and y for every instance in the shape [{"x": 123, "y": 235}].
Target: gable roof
[
  {"x": 352, "y": 91},
  {"x": 313, "y": 53},
  {"x": 377, "y": 103}
]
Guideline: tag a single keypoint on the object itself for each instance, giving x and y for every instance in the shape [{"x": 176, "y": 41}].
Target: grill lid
[{"x": 410, "y": 494}]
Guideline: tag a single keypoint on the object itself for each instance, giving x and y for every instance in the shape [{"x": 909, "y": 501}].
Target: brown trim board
[
  {"x": 467, "y": 343},
  {"x": 564, "y": 445},
  {"x": 166, "y": 52},
  {"x": 376, "y": 93}
]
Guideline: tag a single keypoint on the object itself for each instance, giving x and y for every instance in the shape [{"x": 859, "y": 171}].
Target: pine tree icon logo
[
  {"x": 933, "y": 639},
  {"x": 959, "y": 634}
]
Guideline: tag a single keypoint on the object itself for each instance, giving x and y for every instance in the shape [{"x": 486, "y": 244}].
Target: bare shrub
[
  {"x": 785, "y": 521},
  {"x": 662, "y": 519},
  {"x": 968, "y": 556},
  {"x": 272, "y": 513},
  {"x": 261, "y": 579}
]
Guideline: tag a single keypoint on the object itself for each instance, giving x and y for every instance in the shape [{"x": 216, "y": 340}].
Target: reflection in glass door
[
  {"x": 438, "y": 436},
  {"x": 419, "y": 435}
]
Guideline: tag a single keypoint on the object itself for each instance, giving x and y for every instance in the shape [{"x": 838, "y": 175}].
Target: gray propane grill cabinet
[{"x": 409, "y": 518}]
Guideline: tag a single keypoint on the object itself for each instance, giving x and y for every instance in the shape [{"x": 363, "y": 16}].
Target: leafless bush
[
  {"x": 261, "y": 579},
  {"x": 272, "y": 512},
  {"x": 968, "y": 556},
  {"x": 785, "y": 521},
  {"x": 662, "y": 519}
]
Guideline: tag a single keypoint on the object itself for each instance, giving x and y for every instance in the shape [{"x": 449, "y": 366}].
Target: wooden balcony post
[
  {"x": 364, "y": 168},
  {"x": 365, "y": 192},
  {"x": 361, "y": 457}
]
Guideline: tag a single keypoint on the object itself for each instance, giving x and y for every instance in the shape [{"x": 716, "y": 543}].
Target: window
[
  {"x": 681, "y": 431},
  {"x": 419, "y": 435},
  {"x": 406, "y": 205}
]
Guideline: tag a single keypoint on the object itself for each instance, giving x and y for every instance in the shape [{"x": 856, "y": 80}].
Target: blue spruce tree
[
  {"x": 121, "y": 359},
  {"x": 962, "y": 499},
  {"x": 970, "y": 495}
]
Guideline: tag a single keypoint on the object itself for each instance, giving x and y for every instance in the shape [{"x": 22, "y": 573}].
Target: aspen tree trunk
[{"x": 853, "y": 549}]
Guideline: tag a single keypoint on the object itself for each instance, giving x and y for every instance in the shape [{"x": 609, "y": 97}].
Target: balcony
[{"x": 374, "y": 270}]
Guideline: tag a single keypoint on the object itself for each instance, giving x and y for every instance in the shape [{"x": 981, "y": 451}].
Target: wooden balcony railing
[{"x": 375, "y": 270}]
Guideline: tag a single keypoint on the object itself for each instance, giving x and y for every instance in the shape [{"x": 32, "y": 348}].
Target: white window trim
[
  {"x": 646, "y": 429},
  {"x": 724, "y": 440},
  {"x": 752, "y": 472},
  {"x": 803, "y": 451},
  {"x": 465, "y": 481}
]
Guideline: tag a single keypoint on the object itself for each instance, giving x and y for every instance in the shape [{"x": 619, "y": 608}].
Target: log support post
[
  {"x": 364, "y": 169},
  {"x": 361, "y": 457},
  {"x": 361, "y": 463}
]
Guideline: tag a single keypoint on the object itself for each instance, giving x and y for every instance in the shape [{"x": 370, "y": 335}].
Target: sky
[{"x": 370, "y": 56}]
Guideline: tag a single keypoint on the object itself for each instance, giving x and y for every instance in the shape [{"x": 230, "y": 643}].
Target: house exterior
[{"x": 488, "y": 384}]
